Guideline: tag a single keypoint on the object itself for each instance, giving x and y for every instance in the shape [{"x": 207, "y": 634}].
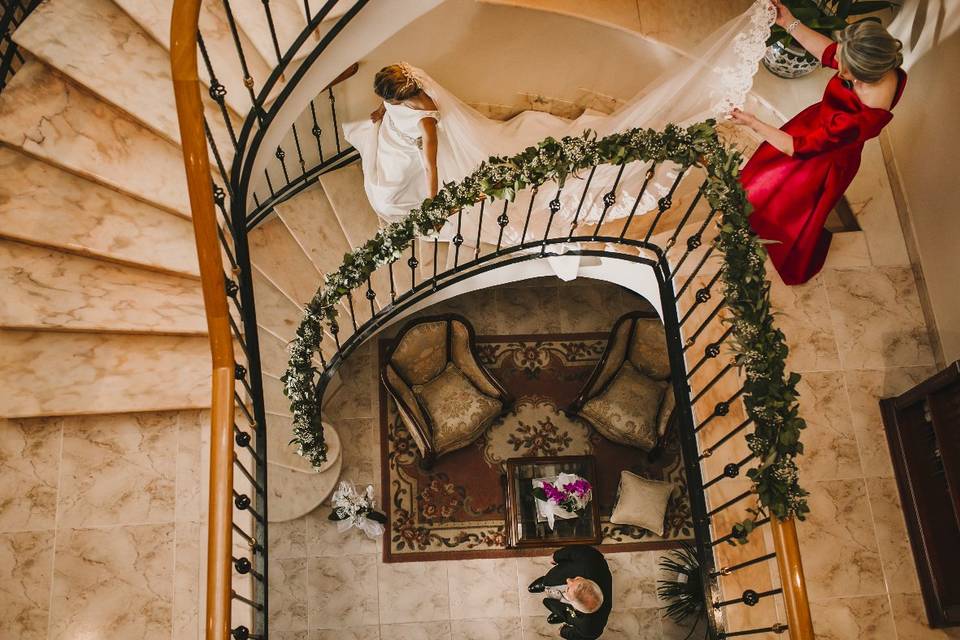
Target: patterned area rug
[{"x": 456, "y": 510}]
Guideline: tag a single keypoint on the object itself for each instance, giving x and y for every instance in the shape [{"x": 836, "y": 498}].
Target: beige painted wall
[{"x": 926, "y": 147}]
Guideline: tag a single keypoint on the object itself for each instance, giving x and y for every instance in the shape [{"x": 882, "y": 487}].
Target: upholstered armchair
[
  {"x": 629, "y": 397},
  {"x": 444, "y": 395}
]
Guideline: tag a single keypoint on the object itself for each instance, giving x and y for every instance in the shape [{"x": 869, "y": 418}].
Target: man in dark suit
[{"x": 579, "y": 592}]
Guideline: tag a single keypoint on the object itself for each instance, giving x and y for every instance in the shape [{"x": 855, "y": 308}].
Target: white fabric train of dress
[{"x": 707, "y": 84}]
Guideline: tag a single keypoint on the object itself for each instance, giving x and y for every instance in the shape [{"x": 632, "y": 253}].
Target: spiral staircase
[{"x": 104, "y": 310}]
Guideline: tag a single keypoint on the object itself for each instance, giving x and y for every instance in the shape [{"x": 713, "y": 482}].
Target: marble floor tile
[
  {"x": 899, "y": 567},
  {"x": 829, "y": 442},
  {"x": 324, "y": 540},
  {"x": 369, "y": 632},
  {"x": 26, "y": 560},
  {"x": 483, "y": 589},
  {"x": 589, "y": 307},
  {"x": 865, "y": 389},
  {"x": 486, "y": 629},
  {"x": 527, "y": 310},
  {"x": 288, "y": 539},
  {"x": 360, "y": 450},
  {"x": 479, "y": 307},
  {"x": 633, "y": 624},
  {"x": 118, "y": 469},
  {"x": 288, "y": 594},
  {"x": 838, "y": 543},
  {"x": 416, "y": 631},
  {"x": 670, "y": 630},
  {"x": 113, "y": 582},
  {"x": 289, "y": 635},
  {"x": 536, "y": 628},
  {"x": 877, "y": 318},
  {"x": 188, "y": 572},
  {"x": 528, "y": 570},
  {"x": 858, "y": 617},
  {"x": 342, "y": 592},
  {"x": 414, "y": 592},
  {"x": 634, "y": 579},
  {"x": 910, "y": 620},
  {"x": 29, "y": 466},
  {"x": 803, "y": 316}
]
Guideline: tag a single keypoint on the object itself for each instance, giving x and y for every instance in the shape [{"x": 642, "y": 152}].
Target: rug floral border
[{"x": 526, "y": 552}]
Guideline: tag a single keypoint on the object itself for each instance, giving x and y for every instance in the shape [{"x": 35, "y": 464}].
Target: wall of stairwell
[{"x": 923, "y": 151}]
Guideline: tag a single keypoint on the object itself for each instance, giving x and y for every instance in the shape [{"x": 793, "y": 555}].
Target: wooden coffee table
[{"x": 524, "y": 528}]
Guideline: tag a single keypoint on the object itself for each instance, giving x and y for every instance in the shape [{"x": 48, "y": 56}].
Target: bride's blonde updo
[
  {"x": 396, "y": 82},
  {"x": 868, "y": 51}
]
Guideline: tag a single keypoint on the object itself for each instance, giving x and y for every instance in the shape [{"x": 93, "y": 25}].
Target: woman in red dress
[{"x": 800, "y": 172}]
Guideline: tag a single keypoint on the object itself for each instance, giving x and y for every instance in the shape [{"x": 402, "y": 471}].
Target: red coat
[{"x": 791, "y": 196}]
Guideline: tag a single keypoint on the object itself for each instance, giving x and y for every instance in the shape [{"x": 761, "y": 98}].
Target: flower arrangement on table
[
  {"x": 566, "y": 497},
  {"x": 354, "y": 509}
]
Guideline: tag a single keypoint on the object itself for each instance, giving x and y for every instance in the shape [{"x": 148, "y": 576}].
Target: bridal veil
[{"x": 707, "y": 83}]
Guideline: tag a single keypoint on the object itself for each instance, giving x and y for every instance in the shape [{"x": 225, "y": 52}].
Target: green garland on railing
[{"x": 770, "y": 396}]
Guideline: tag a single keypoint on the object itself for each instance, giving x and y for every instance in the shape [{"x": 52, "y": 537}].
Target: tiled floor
[
  {"x": 100, "y": 526},
  {"x": 336, "y": 586},
  {"x": 856, "y": 333}
]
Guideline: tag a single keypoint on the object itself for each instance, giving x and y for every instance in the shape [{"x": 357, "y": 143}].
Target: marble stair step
[
  {"x": 344, "y": 189},
  {"x": 48, "y": 373},
  {"x": 102, "y": 49},
  {"x": 310, "y": 218},
  {"x": 275, "y": 310},
  {"x": 289, "y": 20},
  {"x": 153, "y": 16},
  {"x": 49, "y": 289},
  {"x": 47, "y": 206},
  {"x": 425, "y": 254},
  {"x": 51, "y": 118},
  {"x": 278, "y": 255}
]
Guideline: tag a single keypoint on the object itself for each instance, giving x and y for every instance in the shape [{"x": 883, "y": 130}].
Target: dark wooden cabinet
[{"x": 923, "y": 430}]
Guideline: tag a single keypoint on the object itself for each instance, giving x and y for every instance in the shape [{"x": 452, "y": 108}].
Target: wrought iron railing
[
  {"x": 674, "y": 245},
  {"x": 12, "y": 14}
]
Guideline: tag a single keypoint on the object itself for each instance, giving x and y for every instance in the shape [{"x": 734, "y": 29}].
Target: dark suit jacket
[{"x": 585, "y": 562}]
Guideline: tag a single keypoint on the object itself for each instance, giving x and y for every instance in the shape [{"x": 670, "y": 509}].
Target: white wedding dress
[{"x": 707, "y": 84}]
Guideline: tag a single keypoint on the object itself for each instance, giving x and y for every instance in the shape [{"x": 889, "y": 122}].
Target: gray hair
[
  {"x": 588, "y": 597},
  {"x": 869, "y": 51}
]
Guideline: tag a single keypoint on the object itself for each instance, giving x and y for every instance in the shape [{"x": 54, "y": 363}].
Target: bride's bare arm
[
  {"x": 428, "y": 129},
  {"x": 809, "y": 39}
]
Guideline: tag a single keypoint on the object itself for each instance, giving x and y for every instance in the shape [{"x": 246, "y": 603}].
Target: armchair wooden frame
[
  {"x": 589, "y": 391},
  {"x": 413, "y": 415}
]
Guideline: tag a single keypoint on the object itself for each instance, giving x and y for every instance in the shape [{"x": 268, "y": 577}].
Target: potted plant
[
  {"x": 683, "y": 593},
  {"x": 785, "y": 56}
]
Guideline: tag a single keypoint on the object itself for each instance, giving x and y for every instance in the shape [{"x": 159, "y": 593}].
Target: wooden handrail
[
  {"x": 186, "y": 88},
  {"x": 799, "y": 622}
]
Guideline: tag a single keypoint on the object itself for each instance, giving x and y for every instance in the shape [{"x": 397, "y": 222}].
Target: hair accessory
[
  {"x": 408, "y": 73},
  {"x": 792, "y": 26}
]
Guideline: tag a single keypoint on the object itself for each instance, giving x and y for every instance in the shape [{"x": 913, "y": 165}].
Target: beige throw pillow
[
  {"x": 642, "y": 502},
  {"x": 457, "y": 409}
]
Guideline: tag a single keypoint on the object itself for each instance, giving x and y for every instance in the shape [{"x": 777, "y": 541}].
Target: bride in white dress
[{"x": 423, "y": 136}]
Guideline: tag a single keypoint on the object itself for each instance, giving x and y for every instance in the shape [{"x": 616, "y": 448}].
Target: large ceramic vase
[{"x": 789, "y": 61}]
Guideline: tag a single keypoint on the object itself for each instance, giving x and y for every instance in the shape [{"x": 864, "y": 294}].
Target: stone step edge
[{"x": 11, "y": 235}]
